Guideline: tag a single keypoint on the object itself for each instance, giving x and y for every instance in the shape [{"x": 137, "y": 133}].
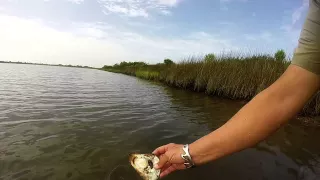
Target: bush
[
  {"x": 209, "y": 58},
  {"x": 280, "y": 55},
  {"x": 168, "y": 61},
  {"x": 104, "y": 67}
]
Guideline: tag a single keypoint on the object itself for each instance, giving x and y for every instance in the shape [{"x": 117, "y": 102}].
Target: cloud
[
  {"x": 96, "y": 44},
  {"x": 296, "y": 15},
  {"x": 291, "y": 28},
  {"x": 169, "y": 2},
  {"x": 166, "y": 12},
  {"x": 30, "y": 40},
  {"x": 138, "y": 8},
  {"x": 132, "y": 12},
  {"x": 227, "y": 1},
  {"x": 72, "y": 1},
  {"x": 263, "y": 36},
  {"x": 76, "y": 1}
]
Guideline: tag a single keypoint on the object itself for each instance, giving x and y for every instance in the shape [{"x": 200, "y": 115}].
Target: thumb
[{"x": 163, "y": 160}]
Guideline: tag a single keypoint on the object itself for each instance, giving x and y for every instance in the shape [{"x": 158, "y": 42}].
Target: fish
[{"x": 144, "y": 165}]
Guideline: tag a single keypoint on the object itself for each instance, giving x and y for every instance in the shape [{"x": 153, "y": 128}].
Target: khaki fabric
[{"x": 307, "y": 54}]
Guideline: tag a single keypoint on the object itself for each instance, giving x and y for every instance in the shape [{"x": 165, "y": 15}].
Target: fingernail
[{"x": 156, "y": 166}]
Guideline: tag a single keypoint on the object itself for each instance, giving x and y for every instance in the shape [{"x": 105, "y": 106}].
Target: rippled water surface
[{"x": 69, "y": 123}]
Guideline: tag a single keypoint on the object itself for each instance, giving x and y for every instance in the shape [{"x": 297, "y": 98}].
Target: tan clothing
[{"x": 307, "y": 54}]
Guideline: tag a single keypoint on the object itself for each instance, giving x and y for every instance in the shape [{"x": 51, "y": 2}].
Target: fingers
[
  {"x": 171, "y": 169},
  {"x": 163, "y": 159},
  {"x": 176, "y": 166},
  {"x": 166, "y": 166},
  {"x": 179, "y": 166},
  {"x": 160, "y": 150},
  {"x": 167, "y": 171}
]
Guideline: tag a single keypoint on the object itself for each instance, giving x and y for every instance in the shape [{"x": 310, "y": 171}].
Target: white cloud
[
  {"x": 132, "y": 12},
  {"x": 292, "y": 32},
  {"x": 166, "y": 12},
  {"x": 95, "y": 44},
  {"x": 267, "y": 36},
  {"x": 263, "y": 36},
  {"x": 226, "y": 1},
  {"x": 297, "y": 13},
  {"x": 30, "y": 40},
  {"x": 72, "y": 1},
  {"x": 291, "y": 28},
  {"x": 76, "y": 1},
  {"x": 168, "y": 2},
  {"x": 138, "y": 8}
]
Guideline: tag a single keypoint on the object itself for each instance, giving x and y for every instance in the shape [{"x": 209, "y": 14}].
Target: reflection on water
[{"x": 69, "y": 123}]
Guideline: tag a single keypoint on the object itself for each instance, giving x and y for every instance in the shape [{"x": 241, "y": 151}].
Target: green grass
[
  {"x": 149, "y": 75},
  {"x": 233, "y": 77}
]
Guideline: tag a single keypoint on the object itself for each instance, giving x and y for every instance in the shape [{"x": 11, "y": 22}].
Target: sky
[{"x": 105, "y": 32}]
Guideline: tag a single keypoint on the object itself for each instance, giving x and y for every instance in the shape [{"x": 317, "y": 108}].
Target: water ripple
[{"x": 74, "y": 123}]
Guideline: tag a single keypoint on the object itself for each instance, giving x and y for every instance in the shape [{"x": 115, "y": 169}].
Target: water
[{"x": 69, "y": 123}]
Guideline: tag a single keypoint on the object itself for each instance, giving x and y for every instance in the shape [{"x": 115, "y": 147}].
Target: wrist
[
  {"x": 196, "y": 158},
  {"x": 201, "y": 154},
  {"x": 188, "y": 162}
]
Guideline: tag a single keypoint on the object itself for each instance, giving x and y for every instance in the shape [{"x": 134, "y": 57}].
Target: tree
[
  {"x": 280, "y": 55},
  {"x": 139, "y": 64},
  {"x": 168, "y": 61},
  {"x": 209, "y": 58},
  {"x": 105, "y": 67},
  {"x": 124, "y": 64}
]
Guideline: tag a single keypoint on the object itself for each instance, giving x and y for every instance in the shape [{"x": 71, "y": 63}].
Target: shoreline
[
  {"x": 42, "y": 64},
  {"x": 228, "y": 77},
  {"x": 303, "y": 120}
]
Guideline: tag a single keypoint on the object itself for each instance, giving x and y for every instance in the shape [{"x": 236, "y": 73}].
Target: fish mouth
[
  {"x": 132, "y": 157},
  {"x": 150, "y": 163},
  {"x": 150, "y": 157}
]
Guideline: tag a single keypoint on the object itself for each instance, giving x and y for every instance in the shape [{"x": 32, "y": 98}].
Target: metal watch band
[{"x": 186, "y": 157}]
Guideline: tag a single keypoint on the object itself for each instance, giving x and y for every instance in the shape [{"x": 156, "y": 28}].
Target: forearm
[
  {"x": 255, "y": 121},
  {"x": 251, "y": 124}
]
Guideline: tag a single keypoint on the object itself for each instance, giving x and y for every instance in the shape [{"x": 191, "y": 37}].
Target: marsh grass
[
  {"x": 149, "y": 75},
  {"x": 234, "y": 77}
]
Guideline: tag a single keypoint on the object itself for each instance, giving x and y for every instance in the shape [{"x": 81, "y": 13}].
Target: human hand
[{"x": 170, "y": 158}]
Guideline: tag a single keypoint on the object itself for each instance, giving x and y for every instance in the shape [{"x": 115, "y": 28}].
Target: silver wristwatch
[{"x": 186, "y": 157}]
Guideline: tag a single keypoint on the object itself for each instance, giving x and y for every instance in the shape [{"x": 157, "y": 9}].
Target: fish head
[{"x": 144, "y": 165}]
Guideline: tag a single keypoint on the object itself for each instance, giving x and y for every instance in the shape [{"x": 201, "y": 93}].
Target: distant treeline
[
  {"x": 62, "y": 65},
  {"x": 228, "y": 75}
]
